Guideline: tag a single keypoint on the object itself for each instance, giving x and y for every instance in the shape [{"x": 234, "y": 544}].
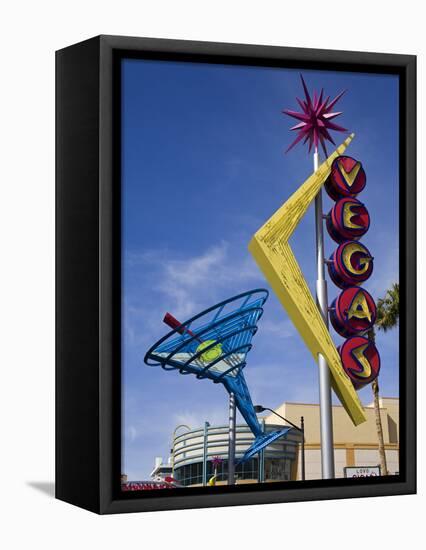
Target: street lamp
[
  {"x": 301, "y": 429},
  {"x": 205, "y": 437},
  {"x": 172, "y": 450}
]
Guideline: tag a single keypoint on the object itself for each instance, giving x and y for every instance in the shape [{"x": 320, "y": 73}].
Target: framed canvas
[{"x": 235, "y": 227}]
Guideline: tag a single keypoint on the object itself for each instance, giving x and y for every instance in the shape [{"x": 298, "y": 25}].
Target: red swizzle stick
[{"x": 174, "y": 323}]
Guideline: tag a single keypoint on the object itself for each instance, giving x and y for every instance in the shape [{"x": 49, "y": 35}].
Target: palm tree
[{"x": 386, "y": 319}]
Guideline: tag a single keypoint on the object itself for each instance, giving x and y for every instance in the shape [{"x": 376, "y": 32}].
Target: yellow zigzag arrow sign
[{"x": 272, "y": 252}]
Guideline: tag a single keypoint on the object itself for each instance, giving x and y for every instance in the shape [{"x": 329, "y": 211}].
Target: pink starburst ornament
[
  {"x": 217, "y": 461},
  {"x": 315, "y": 119}
]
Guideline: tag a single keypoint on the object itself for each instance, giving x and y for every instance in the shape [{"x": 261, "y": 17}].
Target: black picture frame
[{"x": 88, "y": 398}]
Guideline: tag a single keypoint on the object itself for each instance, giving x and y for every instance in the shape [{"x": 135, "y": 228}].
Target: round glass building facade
[{"x": 194, "y": 450}]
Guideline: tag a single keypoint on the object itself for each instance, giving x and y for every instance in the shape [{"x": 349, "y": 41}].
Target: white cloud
[
  {"x": 278, "y": 329},
  {"x": 131, "y": 433},
  {"x": 195, "y": 271},
  {"x": 196, "y": 417},
  {"x": 183, "y": 286},
  {"x": 188, "y": 282}
]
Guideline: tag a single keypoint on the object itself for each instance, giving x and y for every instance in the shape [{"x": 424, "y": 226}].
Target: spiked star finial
[
  {"x": 315, "y": 119},
  {"x": 217, "y": 461}
]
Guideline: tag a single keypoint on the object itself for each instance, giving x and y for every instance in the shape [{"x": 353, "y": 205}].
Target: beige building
[
  {"x": 353, "y": 446},
  {"x": 194, "y": 449}
]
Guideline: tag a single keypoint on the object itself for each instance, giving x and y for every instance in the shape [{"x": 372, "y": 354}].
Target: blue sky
[{"x": 203, "y": 167}]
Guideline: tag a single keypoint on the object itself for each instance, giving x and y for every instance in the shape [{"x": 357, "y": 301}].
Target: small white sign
[{"x": 362, "y": 471}]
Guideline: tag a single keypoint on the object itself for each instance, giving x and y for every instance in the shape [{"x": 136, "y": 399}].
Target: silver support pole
[
  {"x": 206, "y": 432},
  {"x": 231, "y": 441},
  {"x": 261, "y": 458},
  {"x": 326, "y": 416},
  {"x": 302, "y": 429}
]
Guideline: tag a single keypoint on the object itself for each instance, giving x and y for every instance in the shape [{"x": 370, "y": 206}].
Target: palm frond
[{"x": 388, "y": 309}]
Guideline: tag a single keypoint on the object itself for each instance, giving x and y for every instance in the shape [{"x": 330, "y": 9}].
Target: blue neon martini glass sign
[{"x": 214, "y": 344}]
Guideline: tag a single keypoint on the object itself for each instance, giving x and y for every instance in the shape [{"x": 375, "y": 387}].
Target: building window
[
  {"x": 277, "y": 469},
  {"x": 192, "y": 474},
  {"x": 248, "y": 470}
]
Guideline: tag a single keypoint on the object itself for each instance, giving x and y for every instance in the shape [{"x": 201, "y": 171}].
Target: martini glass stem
[{"x": 326, "y": 418}]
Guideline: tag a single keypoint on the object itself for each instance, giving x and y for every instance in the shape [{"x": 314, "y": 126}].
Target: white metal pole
[
  {"x": 326, "y": 416},
  {"x": 261, "y": 459},
  {"x": 231, "y": 441},
  {"x": 205, "y": 449}
]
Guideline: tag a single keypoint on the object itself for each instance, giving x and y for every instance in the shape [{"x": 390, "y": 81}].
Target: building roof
[{"x": 344, "y": 430}]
